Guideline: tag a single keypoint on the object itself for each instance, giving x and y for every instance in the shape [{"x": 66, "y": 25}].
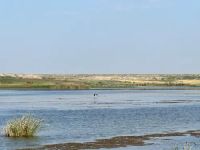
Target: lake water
[{"x": 77, "y": 116}]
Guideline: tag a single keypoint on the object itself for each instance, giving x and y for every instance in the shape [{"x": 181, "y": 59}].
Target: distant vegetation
[
  {"x": 84, "y": 81},
  {"x": 25, "y": 126}
]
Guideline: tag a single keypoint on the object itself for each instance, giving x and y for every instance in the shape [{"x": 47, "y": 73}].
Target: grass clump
[
  {"x": 186, "y": 146},
  {"x": 25, "y": 126}
]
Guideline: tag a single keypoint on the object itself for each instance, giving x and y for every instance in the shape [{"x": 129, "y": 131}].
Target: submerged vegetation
[
  {"x": 25, "y": 126},
  {"x": 91, "y": 81}
]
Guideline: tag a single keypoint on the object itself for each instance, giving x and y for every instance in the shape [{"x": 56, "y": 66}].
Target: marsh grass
[
  {"x": 186, "y": 146},
  {"x": 25, "y": 126}
]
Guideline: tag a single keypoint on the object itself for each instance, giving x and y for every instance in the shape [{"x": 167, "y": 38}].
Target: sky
[{"x": 100, "y": 36}]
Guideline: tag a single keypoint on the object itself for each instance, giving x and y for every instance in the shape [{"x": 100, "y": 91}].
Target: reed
[
  {"x": 25, "y": 126},
  {"x": 186, "y": 146}
]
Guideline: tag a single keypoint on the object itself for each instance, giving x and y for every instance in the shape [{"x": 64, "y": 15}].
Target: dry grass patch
[{"x": 25, "y": 126}]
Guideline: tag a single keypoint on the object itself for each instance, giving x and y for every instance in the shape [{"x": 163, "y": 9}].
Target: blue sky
[{"x": 100, "y": 36}]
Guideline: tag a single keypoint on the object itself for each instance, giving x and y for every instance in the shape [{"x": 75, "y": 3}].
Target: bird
[{"x": 95, "y": 94}]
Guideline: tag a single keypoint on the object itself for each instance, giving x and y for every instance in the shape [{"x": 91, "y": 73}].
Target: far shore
[
  {"x": 96, "y": 89},
  {"x": 99, "y": 81}
]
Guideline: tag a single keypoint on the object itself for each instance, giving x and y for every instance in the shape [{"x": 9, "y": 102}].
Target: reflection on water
[{"x": 79, "y": 116}]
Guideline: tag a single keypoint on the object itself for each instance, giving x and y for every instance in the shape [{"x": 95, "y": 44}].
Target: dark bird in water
[{"x": 95, "y": 94}]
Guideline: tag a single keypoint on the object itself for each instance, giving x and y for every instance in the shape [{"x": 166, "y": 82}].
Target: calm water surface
[{"x": 79, "y": 116}]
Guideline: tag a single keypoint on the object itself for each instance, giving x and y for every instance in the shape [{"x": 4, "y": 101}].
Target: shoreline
[
  {"x": 114, "y": 142},
  {"x": 93, "y": 89},
  {"x": 99, "y": 81}
]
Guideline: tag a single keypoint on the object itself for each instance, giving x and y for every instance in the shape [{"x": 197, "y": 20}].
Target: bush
[{"x": 25, "y": 126}]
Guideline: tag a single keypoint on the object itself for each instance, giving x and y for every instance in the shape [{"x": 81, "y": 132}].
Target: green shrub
[{"x": 25, "y": 126}]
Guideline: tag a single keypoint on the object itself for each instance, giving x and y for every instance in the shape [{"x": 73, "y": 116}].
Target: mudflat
[{"x": 114, "y": 142}]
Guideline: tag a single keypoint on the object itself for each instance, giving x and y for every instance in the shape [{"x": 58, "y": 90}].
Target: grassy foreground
[{"x": 91, "y": 81}]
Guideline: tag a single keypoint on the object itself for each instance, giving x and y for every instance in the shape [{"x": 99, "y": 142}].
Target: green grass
[
  {"x": 91, "y": 81},
  {"x": 25, "y": 126}
]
